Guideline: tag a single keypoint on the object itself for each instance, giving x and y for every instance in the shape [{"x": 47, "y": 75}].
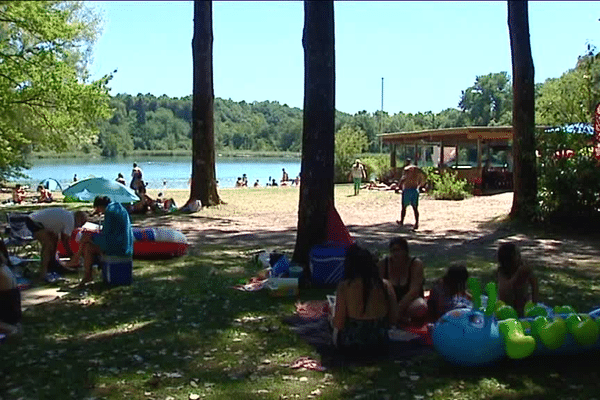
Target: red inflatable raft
[{"x": 147, "y": 242}]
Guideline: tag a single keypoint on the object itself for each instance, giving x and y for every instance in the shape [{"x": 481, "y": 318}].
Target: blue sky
[{"x": 427, "y": 52}]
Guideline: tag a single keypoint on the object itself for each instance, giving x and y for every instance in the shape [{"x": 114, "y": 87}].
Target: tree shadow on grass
[{"x": 178, "y": 310}]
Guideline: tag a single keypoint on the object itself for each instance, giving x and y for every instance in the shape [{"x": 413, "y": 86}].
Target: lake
[{"x": 161, "y": 172}]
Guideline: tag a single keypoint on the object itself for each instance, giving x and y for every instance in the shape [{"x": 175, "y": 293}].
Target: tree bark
[
  {"x": 318, "y": 140},
  {"x": 524, "y": 167},
  {"x": 204, "y": 183}
]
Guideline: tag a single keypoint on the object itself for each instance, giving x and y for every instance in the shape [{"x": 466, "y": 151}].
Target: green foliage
[
  {"x": 570, "y": 99},
  {"x": 568, "y": 186},
  {"x": 350, "y": 141},
  {"x": 46, "y": 100},
  {"x": 431, "y": 174},
  {"x": 377, "y": 166},
  {"x": 489, "y": 100},
  {"x": 447, "y": 186}
]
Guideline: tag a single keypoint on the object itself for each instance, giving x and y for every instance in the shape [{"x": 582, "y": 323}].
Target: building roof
[{"x": 452, "y": 135}]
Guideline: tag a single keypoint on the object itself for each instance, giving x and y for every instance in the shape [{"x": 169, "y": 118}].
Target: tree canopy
[{"x": 46, "y": 98}]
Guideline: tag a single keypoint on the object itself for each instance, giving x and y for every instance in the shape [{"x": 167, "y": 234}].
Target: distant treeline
[{"x": 163, "y": 124}]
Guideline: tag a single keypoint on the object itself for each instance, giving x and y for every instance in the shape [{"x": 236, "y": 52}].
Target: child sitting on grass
[
  {"x": 449, "y": 292},
  {"x": 515, "y": 278}
]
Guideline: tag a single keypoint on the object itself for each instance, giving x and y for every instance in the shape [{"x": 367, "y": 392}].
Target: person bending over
[
  {"x": 515, "y": 279},
  {"x": 365, "y": 306},
  {"x": 115, "y": 237},
  {"x": 50, "y": 225},
  {"x": 405, "y": 273}
]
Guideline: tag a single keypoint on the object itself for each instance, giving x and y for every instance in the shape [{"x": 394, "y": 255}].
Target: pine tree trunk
[
  {"x": 204, "y": 183},
  {"x": 524, "y": 169},
  {"x": 316, "y": 184}
]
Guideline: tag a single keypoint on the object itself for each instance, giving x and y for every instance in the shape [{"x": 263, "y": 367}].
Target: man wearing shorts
[
  {"x": 413, "y": 178},
  {"x": 49, "y": 226},
  {"x": 358, "y": 173}
]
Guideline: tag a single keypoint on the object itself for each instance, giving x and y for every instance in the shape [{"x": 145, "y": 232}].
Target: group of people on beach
[
  {"x": 53, "y": 225},
  {"x": 146, "y": 203},
  {"x": 272, "y": 182},
  {"x": 374, "y": 296},
  {"x": 19, "y": 195}
]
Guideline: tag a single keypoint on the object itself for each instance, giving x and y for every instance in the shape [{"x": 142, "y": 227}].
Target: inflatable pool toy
[
  {"x": 482, "y": 336},
  {"x": 147, "y": 242}
]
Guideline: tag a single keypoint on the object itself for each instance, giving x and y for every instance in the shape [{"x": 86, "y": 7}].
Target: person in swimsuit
[
  {"x": 18, "y": 194},
  {"x": 449, "y": 292},
  {"x": 413, "y": 178},
  {"x": 405, "y": 273},
  {"x": 365, "y": 306},
  {"x": 515, "y": 278}
]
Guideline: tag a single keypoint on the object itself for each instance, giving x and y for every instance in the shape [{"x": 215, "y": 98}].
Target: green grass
[{"x": 180, "y": 330}]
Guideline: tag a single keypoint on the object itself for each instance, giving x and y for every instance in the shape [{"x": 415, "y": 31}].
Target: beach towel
[{"x": 311, "y": 323}]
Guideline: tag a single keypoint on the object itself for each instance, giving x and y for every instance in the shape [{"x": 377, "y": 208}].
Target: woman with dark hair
[
  {"x": 449, "y": 292},
  {"x": 365, "y": 306},
  {"x": 406, "y": 275}
]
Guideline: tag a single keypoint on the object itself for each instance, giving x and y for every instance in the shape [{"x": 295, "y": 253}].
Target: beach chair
[{"x": 18, "y": 238}]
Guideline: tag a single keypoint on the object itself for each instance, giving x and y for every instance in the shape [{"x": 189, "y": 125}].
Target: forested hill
[{"x": 146, "y": 122}]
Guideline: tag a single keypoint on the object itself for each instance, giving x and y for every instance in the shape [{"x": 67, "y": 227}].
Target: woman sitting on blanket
[
  {"x": 406, "y": 275},
  {"x": 45, "y": 195},
  {"x": 365, "y": 306}
]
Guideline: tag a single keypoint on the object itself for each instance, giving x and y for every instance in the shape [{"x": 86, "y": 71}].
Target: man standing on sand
[
  {"x": 358, "y": 174},
  {"x": 413, "y": 178}
]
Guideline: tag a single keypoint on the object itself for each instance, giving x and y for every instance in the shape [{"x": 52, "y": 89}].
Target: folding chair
[{"x": 18, "y": 237}]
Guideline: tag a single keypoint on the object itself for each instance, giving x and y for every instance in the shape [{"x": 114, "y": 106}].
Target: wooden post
[
  {"x": 479, "y": 153},
  {"x": 393, "y": 158},
  {"x": 415, "y": 158},
  {"x": 456, "y": 155}
]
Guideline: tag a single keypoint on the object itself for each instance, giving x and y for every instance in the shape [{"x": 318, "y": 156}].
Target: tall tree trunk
[
  {"x": 204, "y": 183},
  {"x": 524, "y": 170},
  {"x": 316, "y": 187}
]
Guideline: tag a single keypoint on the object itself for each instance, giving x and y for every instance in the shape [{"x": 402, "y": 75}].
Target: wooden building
[{"x": 480, "y": 154}]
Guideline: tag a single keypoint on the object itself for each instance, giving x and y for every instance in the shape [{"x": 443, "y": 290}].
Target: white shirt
[
  {"x": 56, "y": 220},
  {"x": 357, "y": 172}
]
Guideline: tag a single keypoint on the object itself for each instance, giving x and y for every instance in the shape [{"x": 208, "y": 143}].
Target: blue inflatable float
[{"x": 482, "y": 336}]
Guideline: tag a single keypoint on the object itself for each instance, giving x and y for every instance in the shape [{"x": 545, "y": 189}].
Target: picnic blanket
[{"x": 311, "y": 323}]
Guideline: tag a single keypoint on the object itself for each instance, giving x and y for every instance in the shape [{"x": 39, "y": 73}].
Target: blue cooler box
[
  {"x": 117, "y": 271},
  {"x": 327, "y": 265}
]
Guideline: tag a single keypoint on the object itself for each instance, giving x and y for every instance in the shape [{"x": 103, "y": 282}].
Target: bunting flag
[{"x": 597, "y": 132}]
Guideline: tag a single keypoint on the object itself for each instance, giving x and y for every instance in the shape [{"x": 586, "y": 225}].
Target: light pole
[{"x": 381, "y": 119}]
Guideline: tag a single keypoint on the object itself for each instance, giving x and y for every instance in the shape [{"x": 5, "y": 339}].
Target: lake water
[{"x": 175, "y": 171}]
